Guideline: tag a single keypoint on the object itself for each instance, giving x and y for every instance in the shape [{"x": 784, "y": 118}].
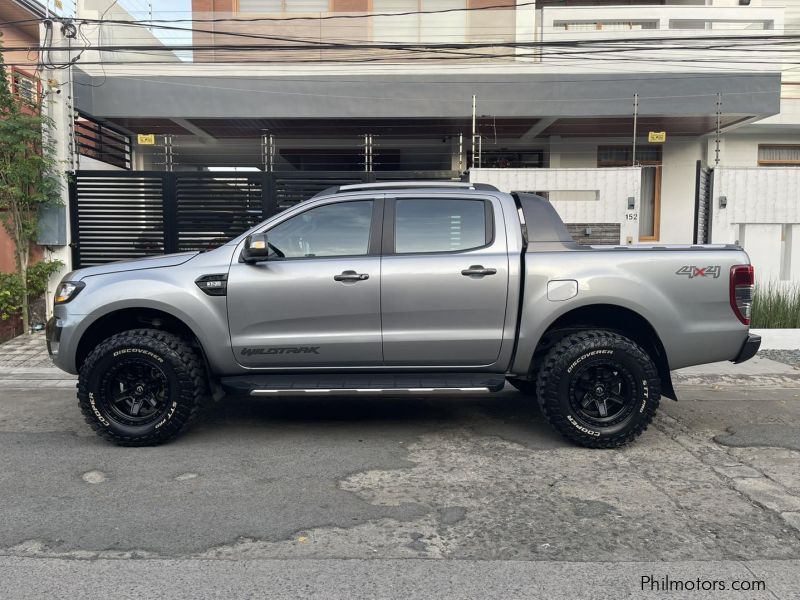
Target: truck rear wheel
[
  {"x": 141, "y": 387},
  {"x": 598, "y": 388}
]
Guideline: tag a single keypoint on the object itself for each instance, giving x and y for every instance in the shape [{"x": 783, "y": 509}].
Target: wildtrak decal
[{"x": 281, "y": 350}]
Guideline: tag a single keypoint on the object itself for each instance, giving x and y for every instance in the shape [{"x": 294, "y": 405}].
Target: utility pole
[{"x": 635, "y": 123}]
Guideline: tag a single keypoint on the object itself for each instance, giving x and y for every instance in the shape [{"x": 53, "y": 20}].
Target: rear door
[{"x": 444, "y": 281}]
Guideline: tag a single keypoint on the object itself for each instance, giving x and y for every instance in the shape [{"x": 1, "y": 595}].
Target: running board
[{"x": 367, "y": 383}]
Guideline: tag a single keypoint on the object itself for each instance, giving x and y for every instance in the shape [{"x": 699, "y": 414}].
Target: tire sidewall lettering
[
  {"x": 134, "y": 349},
  {"x": 585, "y": 355},
  {"x": 97, "y": 412}
]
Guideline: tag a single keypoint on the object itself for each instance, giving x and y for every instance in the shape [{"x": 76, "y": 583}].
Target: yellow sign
[
  {"x": 146, "y": 139},
  {"x": 59, "y": 5},
  {"x": 657, "y": 137}
]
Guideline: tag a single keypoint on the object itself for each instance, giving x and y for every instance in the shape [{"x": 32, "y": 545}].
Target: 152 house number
[{"x": 632, "y": 216}]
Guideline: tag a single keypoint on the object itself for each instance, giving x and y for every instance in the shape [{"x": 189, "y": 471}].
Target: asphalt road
[{"x": 402, "y": 497}]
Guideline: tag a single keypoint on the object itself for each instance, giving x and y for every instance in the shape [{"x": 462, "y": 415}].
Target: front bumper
[
  {"x": 749, "y": 348},
  {"x": 53, "y": 335}
]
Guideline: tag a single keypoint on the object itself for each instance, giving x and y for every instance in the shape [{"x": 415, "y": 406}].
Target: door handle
[
  {"x": 351, "y": 276},
  {"x": 478, "y": 271}
]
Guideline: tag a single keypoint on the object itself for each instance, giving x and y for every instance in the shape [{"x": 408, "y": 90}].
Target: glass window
[
  {"x": 281, "y": 6},
  {"x": 778, "y": 156},
  {"x": 616, "y": 156},
  {"x": 439, "y": 225},
  {"x": 330, "y": 230}
]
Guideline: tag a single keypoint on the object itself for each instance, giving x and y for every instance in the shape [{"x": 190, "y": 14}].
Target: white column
[{"x": 56, "y": 106}]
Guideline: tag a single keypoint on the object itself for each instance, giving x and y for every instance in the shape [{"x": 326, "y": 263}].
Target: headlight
[{"x": 67, "y": 290}]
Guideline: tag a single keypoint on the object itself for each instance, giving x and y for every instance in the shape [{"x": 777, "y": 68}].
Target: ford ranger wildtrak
[{"x": 395, "y": 288}]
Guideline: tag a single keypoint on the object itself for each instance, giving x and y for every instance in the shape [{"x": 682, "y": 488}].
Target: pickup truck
[{"x": 402, "y": 288}]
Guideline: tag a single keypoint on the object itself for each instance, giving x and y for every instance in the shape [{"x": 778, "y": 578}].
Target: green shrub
[
  {"x": 776, "y": 306},
  {"x": 10, "y": 295},
  {"x": 11, "y": 289}
]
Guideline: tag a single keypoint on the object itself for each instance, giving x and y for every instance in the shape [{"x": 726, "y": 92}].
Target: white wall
[
  {"x": 90, "y": 164},
  {"x": 761, "y": 213},
  {"x": 588, "y": 195},
  {"x": 679, "y": 158},
  {"x": 741, "y": 149}
]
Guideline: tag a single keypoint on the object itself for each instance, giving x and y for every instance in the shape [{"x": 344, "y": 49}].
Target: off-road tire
[
  {"x": 562, "y": 377},
  {"x": 179, "y": 371},
  {"x": 525, "y": 386}
]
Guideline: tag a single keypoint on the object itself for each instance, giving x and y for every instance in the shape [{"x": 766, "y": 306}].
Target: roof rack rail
[
  {"x": 394, "y": 185},
  {"x": 401, "y": 185}
]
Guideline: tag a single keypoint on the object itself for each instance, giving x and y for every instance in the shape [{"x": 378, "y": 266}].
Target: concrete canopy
[{"x": 428, "y": 96}]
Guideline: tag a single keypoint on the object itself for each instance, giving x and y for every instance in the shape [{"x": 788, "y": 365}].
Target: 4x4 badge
[{"x": 691, "y": 271}]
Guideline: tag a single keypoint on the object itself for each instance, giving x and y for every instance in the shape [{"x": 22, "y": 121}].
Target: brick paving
[{"x": 25, "y": 364}]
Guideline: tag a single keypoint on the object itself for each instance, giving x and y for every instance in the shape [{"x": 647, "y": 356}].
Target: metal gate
[
  {"x": 704, "y": 190},
  {"x": 117, "y": 215}
]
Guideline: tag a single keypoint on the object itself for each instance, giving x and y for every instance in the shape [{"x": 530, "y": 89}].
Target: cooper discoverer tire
[
  {"x": 598, "y": 388},
  {"x": 141, "y": 387}
]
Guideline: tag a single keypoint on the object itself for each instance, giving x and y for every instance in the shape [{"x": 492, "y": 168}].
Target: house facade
[
  {"x": 19, "y": 28},
  {"x": 278, "y": 98}
]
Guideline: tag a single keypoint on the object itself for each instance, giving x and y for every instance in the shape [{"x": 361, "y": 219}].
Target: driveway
[{"x": 403, "y": 497}]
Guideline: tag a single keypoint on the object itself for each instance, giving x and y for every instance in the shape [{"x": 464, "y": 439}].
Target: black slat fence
[{"x": 118, "y": 215}]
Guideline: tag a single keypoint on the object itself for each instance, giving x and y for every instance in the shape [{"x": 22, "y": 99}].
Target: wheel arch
[
  {"x": 615, "y": 318},
  {"x": 123, "y": 319}
]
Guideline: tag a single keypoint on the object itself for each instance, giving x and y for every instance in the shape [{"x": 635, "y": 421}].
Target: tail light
[{"x": 742, "y": 283}]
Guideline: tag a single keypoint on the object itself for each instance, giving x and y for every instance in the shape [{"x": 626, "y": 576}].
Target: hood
[{"x": 149, "y": 262}]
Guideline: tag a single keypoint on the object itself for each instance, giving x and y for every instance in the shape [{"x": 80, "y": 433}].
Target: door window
[
  {"x": 331, "y": 230},
  {"x": 440, "y": 225}
]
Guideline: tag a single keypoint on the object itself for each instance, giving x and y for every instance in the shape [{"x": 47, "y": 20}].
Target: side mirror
[{"x": 256, "y": 248}]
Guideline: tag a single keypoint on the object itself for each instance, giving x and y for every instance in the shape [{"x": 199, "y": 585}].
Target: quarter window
[
  {"x": 330, "y": 230},
  {"x": 440, "y": 225}
]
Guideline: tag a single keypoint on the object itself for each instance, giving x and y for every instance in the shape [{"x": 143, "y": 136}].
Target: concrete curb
[{"x": 779, "y": 339}]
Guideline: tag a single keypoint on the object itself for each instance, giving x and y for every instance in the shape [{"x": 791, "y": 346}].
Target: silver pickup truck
[{"x": 402, "y": 288}]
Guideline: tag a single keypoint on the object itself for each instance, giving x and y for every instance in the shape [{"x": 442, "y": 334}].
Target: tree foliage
[
  {"x": 12, "y": 291},
  {"x": 28, "y": 175}
]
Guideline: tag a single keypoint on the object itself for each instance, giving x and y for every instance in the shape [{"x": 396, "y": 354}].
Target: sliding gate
[{"x": 117, "y": 215}]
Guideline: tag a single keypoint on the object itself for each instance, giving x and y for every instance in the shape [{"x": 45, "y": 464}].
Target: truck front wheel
[
  {"x": 141, "y": 387},
  {"x": 598, "y": 389}
]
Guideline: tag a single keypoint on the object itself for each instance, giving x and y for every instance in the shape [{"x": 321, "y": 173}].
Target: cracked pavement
[{"x": 327, "y": 486}]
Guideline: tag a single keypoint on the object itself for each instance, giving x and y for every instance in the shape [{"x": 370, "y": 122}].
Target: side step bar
[{"x": 367, "y": 383}]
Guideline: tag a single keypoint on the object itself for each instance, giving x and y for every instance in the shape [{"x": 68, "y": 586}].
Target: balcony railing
[
  {"x": 101, "y": 142},
  {"x": 26, "y": 87},
  {"x": 657, "y": 25}
]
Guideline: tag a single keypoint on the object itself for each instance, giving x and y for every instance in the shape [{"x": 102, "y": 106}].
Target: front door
[
  {"x": 444, "y": 281},
  {"x": 316, "y": 301}
]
